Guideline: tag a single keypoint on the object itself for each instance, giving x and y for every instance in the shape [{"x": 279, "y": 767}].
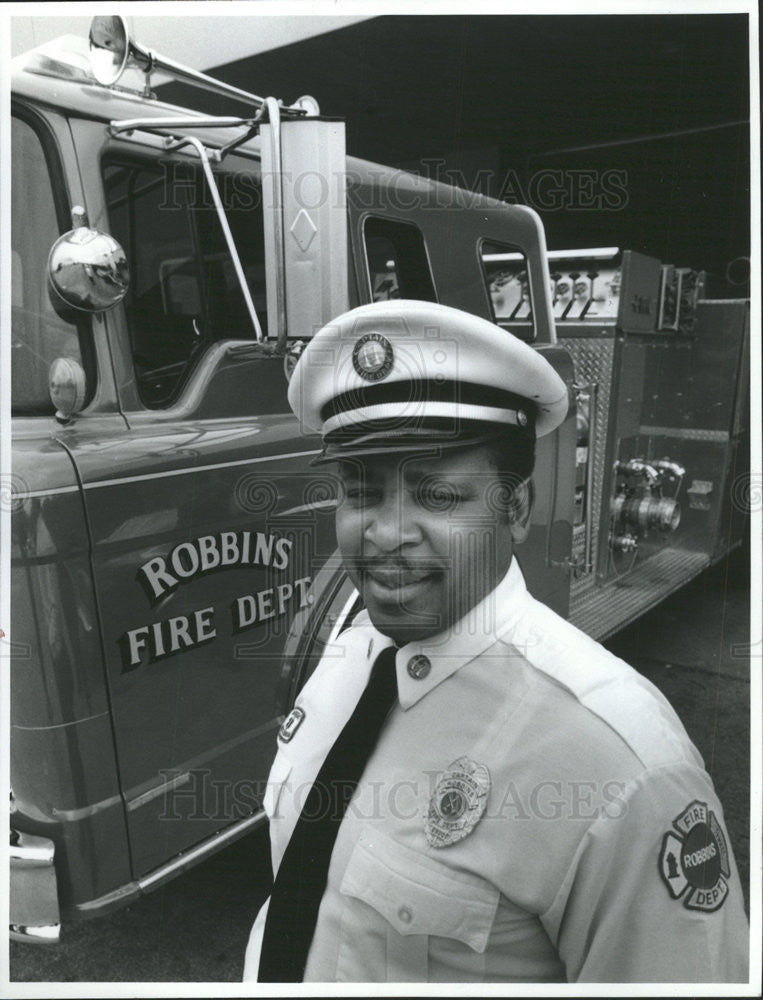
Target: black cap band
[{"x": 432, "y": 391}]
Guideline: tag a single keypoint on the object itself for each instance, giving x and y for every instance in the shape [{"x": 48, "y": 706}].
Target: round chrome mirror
[
  {"x": 88, "y": 269},
  {"x": 109, "y": 48}
]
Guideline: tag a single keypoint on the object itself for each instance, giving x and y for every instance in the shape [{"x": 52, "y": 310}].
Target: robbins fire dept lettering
[
  {"x": 161, "y": 575},
  {"x": 187, "y": 560}
]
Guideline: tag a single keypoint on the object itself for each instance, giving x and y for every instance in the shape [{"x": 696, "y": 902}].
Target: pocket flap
[{"x": 417, "y": 895}]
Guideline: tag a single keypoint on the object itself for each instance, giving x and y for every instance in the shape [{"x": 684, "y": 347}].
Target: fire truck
[{"x": 173, "y": 562}]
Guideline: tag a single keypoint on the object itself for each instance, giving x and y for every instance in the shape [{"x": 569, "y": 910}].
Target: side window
[
  {"x": 184, "y": 294},
  {"x": 398, "y": 265},
  {"x": 38, "y": 334},
  {"x": 508, "y": 287}
]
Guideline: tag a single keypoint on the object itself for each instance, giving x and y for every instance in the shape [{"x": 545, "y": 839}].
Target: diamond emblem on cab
[{"x": 303, "y": 230}]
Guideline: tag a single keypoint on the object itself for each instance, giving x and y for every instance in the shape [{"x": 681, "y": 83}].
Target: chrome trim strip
[
  {"x": 195, "y": 763},
  {"x": 99, "y": 484},
  {"x": 596, "y": 253},
  {"x": 85, "y": 812},
  {"x": 201, "y": 851},
  {"x": 318, "y": 505},
  {"x": 60, "y": 725},
  {"x": 721, "y": 302},
  {"x": 30, "y": 494},
  {"x": 153, "y": 793},
  {"x": 686, "y": 433}
]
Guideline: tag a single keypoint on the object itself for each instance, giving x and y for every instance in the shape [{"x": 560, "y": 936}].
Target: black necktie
[{"x": 301, "y": 878}]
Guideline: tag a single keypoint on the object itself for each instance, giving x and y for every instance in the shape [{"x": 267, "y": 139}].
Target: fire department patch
[
  {"x": 694, "y": 862},
  {"x": 372, "y": 357},
  {"x": 458, "y": 802},
  {"x": 291, "y": 724}
]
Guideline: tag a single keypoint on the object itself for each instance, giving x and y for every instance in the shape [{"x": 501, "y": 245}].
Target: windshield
[{"x": 184, "y": 294}]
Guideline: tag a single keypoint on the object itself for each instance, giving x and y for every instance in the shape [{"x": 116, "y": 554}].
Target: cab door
[{"x": 206, "y": 527}]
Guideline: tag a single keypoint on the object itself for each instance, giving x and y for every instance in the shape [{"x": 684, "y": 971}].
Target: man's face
[{"x": 423, "y": 539}]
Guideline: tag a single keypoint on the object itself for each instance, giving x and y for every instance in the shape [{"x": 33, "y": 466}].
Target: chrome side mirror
[{"x": 87, "y": 269}]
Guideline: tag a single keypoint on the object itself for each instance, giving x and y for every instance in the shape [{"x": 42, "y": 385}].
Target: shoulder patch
[{"x": 694, "y": 859}]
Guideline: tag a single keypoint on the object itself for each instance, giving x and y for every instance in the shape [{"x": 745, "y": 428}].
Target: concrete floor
[{"x": 693, "y": 647}]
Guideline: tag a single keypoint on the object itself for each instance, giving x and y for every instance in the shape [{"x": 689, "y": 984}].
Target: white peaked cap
[{"x": 402, "y": 373}]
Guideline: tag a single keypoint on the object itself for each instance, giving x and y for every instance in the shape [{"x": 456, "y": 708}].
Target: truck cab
[{"x": 173, "y": 561}]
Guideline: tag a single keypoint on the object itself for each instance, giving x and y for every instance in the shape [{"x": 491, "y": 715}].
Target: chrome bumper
[{"x": 34, "y": 915}]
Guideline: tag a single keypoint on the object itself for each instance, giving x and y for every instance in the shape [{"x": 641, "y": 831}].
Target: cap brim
[{"x": 382, "y": 443}]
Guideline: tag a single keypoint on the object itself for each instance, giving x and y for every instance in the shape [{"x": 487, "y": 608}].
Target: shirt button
[
  {"x": 405, "y": 914},
  {"x": 418, "y": 667}
]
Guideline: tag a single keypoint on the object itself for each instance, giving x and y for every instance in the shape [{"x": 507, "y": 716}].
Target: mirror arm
[
  {"x": 196, "y": 144},
  {"x": 251, "y": 132},
  {"x": 117, "y": 127}
]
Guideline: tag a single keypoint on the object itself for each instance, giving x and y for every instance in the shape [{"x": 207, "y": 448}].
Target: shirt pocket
[{"x": 417, "y": 895}]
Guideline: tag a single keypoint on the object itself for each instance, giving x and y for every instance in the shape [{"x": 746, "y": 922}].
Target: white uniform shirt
[{"x": 599, "y": 855}]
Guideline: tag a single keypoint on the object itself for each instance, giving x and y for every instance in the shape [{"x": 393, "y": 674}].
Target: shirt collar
[{"x": 448, "y": 651}]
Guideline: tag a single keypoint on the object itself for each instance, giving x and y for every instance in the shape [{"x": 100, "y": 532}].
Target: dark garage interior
[{"x": 628, "y": 131}]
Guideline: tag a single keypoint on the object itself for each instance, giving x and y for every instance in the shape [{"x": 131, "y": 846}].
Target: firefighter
[{"x": 468, "y": 788}]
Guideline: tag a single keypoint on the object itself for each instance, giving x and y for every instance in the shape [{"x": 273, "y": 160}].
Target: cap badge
[
  {"x": 291, "y": 724},
  {"x": 521, "y": 418},
  {"x": 458, "y": 802},
  {"x": 372, "y": 357}
]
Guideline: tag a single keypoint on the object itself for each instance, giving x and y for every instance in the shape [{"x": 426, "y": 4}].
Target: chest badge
[
  {"x": 457, "y": 803},
  {"x": 291, "y": 724},
  {"x": 694, "y": 859}
]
